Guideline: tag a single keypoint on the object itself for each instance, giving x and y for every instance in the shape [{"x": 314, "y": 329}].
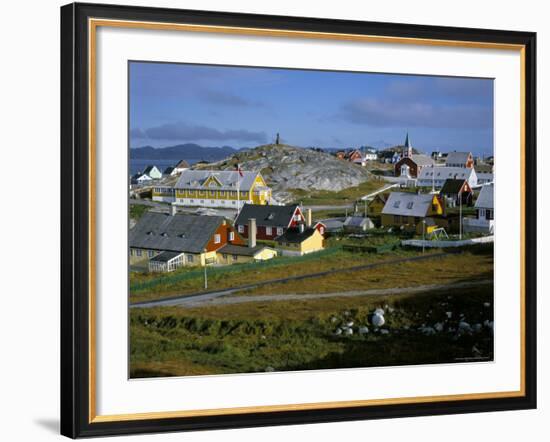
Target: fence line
[{"x": 442, "y": 244}]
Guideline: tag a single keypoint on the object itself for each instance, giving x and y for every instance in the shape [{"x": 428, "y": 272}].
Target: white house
[
  {"x": 435, "y": 176},
  {"x": 141, "y": 178},
  {"x": 153, "y": 172},
  {"x": 181, "y": 166},
  {"x": 485, "y": 211}
]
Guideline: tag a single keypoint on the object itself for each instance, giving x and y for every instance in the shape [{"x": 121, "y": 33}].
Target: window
[
  {"x": 279, "y": 230},
  {"x": 240, "y": 227},
  {"x": 397, "y": 204},
  {"x": 322, "y": 230},
  {"x": 150, "y": 253},
  {"x": 224, "y": 256},
  {"x": 138, "y": 252},
  {"x": 268, "y": 231},
  {"x": 212, "y": 193},
  {"x": 190, "y": 258},
  {"x": 235, "y": 257},
  {"x": 396, "y": 218},
  {"x": 217, "y": 238},
  {"x": 231, "y": 236},
  {"x": 410, "y": 204},
  {"x": 191, "y": 192},
  {"x": 222, "y": 192}
]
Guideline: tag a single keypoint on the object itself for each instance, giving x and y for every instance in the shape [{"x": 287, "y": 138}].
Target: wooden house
[
  {"x": 485, "y": 212},
  {"x": 457, "y": 192},
  {"x": 436, "y": 176},
  {"x": 459, "y": 159},
  {"x": 411, "y": 166},
  {"x": 179, "y": 239},
  {"x": 271, "y": 221},
  {"x": 300, "y": 240},
  {"x": 410, "y": 211},
  {"x": 220, "y": 188},
  {"x": 376, "y": 204}
]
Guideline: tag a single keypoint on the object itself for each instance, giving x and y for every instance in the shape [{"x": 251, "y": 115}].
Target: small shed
[{"x": 357, "y": 224}]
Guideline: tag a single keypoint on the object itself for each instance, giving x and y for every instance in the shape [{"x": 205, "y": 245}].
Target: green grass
[
  {"x": 299, "y": 335},
  {"x": 147, "y": 286}
]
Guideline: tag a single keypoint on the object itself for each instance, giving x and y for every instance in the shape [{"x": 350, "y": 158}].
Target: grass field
[
  {"x": 472, "y": 263},
  {"x": 300, "y": 335},
  {"x": 147, "y": 286}
]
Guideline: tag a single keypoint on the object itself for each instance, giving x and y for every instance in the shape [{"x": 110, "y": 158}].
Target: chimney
[
  {"x": 308, "y": 217},
  {"x": 252, "y": 232},
  {"x": 301, "y": 227},
  {"x": 173, "y": 210}
]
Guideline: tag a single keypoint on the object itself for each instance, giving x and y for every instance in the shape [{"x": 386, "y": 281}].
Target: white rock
[
  {"x": 378, "y": 320},
  {"x": 363, "y": 330},
  {"x": 486, "y": 304},
  {"x": 384, "y": 331},
  {"x": 348, "y": 331},
  {"x": 379, "y": 311},
  {"x": 477, "y": 327},
  {"x": 464, "y": 326},
  {"x": 338, "y": 331},
  {"x": 269, "y": 369},
  {"x": 349, "y": 324},
  {"x": 333, "y": 319},
  {"x": 438, "y": 327}
]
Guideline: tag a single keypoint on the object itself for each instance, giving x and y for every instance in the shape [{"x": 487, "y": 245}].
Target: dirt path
[{"x": 230, "y": 300}]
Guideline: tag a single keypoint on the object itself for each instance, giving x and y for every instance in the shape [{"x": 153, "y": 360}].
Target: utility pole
[
  {"x": 205, "y": 275},
  {"x": 460, "y": 215}
]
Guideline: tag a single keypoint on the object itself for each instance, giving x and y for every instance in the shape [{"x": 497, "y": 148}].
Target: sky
[{"x": 209, "y": 105}]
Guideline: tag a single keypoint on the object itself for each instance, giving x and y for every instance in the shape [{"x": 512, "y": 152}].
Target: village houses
[
  {"x": 459, "y": 159},
  {"x": 436, "y": 176},
  {"x": 220, "y": 188},
  {"x": 164, "y": 242},
  {"x": 411, "y": 165},
  {"x": 457, "y": 192}
]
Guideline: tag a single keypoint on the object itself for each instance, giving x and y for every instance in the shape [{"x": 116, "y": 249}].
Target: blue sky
[{"x": 245, "y": 107}]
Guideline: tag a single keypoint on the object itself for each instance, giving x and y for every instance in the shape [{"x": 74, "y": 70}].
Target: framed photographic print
[{"x": 275, "y": 220}]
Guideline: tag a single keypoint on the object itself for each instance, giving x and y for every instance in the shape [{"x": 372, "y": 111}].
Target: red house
[{"x": 271, "y": 221}]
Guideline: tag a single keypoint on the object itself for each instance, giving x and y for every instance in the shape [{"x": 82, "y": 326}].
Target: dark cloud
[
  {"x": 181, "y": 131},
  {"x": 395, "y": 113}
]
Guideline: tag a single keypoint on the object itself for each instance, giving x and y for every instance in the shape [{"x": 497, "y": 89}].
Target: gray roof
[
  {"x": 175, "y": 233},
  {"x": 169, "y": 170},
  {"x": 232, "y": 249},
  {"x": 485, "y": 176},
  {"x": 422, "y": 160},
  {"x": 407, "y": 204},
  {"x": 295, "y": 236},
  {"x": 166, "y": 256},
  {"x": 356, "y": 221},
  {"x": 485, "y": 198},
  {"x": 195, "y": 179},
  {"x": 444, "y": 173},
  {"x": 267, "y": 215},
  {"x": 457, "y": 157}
]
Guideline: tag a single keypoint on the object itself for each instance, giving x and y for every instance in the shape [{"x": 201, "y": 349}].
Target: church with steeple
[{"x": 411, "y": 164}]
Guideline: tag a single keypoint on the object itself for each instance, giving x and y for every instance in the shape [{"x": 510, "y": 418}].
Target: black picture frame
[{"x": 75, "y": 220}]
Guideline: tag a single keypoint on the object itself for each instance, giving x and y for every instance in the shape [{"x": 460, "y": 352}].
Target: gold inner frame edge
[{"x": 93, "y": 24}]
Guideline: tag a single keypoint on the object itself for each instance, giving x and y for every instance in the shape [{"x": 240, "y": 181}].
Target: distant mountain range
[{"x": 188, "y": 151}]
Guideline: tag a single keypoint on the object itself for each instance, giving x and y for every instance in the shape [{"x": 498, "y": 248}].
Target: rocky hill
[{"x": 285, "y": 168}]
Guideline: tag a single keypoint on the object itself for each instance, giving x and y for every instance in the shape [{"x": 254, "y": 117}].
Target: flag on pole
[{"x": 238, "y": 169}]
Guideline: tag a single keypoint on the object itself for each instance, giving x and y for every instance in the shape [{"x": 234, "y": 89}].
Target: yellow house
[
  {"x": 412, "y": 211},
  {"x": 300, "y": 241},
  {"x": 231, "y": 254},
  {"x": 375, "y": 206},
  {"x": 220, "y": 188}
]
